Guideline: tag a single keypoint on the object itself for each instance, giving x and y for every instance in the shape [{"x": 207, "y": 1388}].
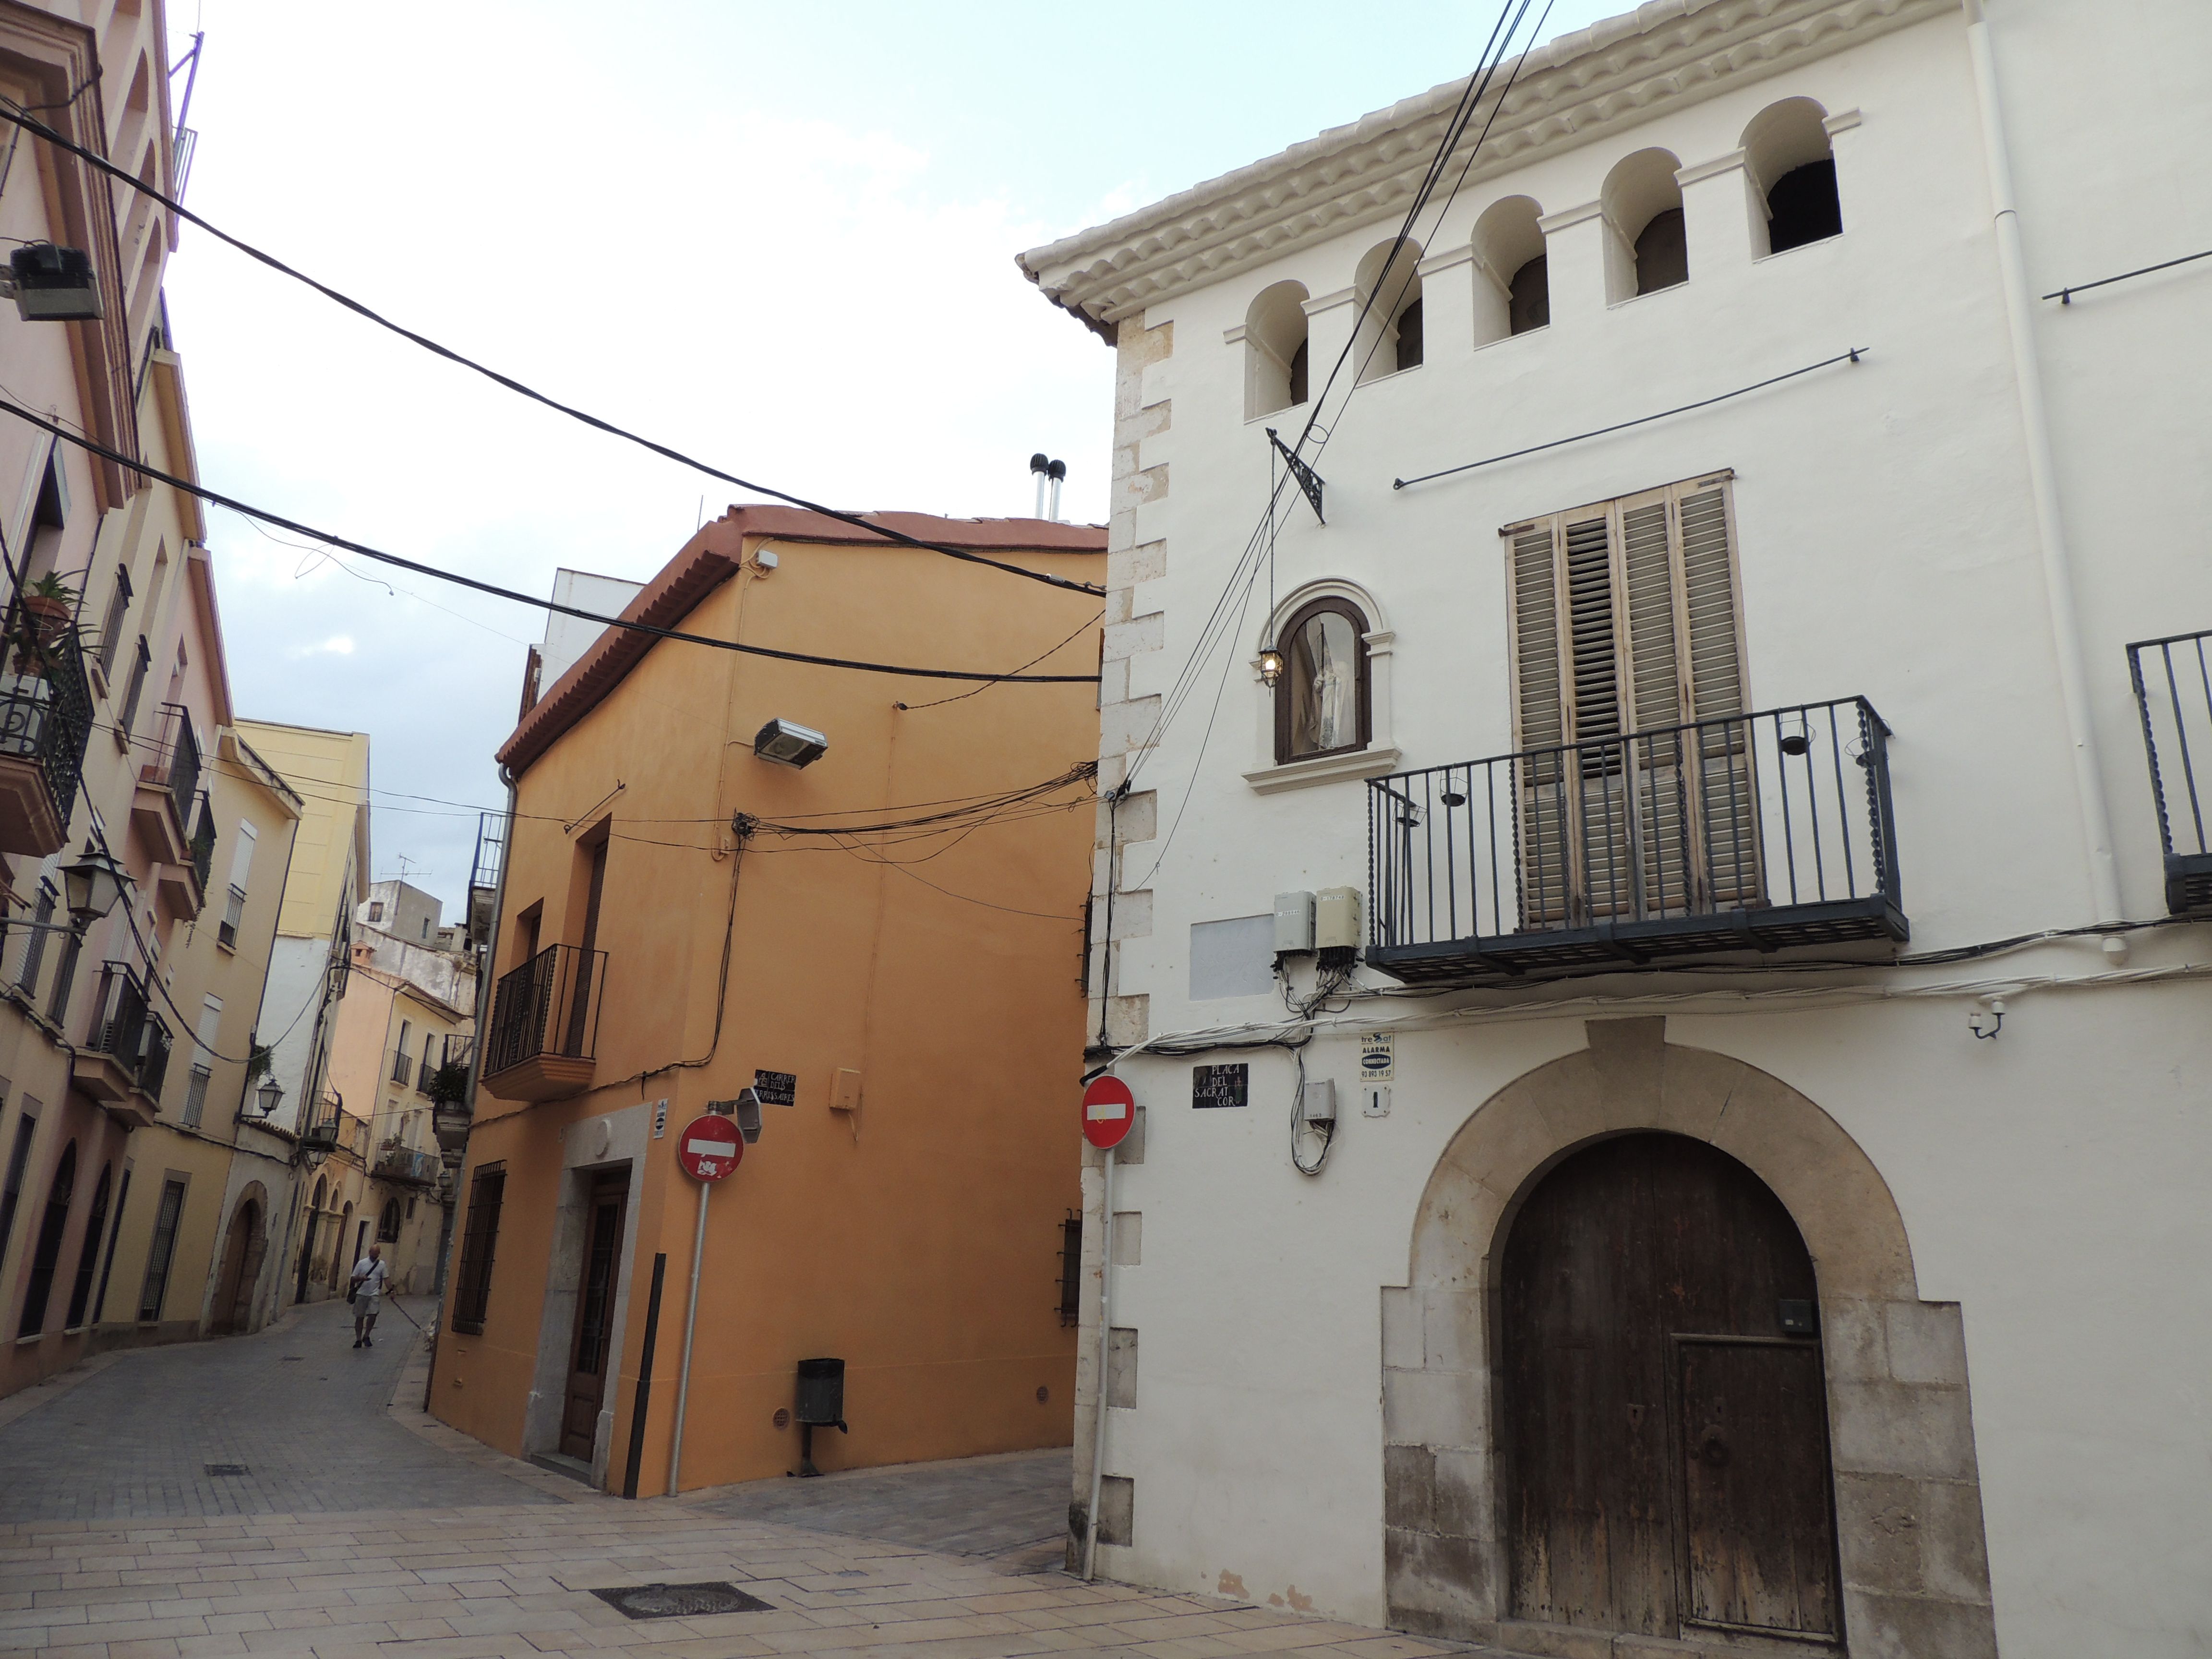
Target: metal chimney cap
[{"x": 1038, "y": 462}]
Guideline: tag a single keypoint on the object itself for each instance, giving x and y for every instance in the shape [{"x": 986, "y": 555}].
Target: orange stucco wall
[{"x": 919, "y": 1238}]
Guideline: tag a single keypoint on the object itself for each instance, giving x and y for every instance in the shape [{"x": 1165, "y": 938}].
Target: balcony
[
  {"x": 396, "y": 1161},
  {"x": 484, "y": 876},
  {"x": 545, "y": 1026},
  {"x": 2173, "y": 679},
  {"x": 124, "y": 1058},
  {"x": 45, "y": 716},
  {"x": 184, "y": 885},
  {"x": 1748, "y": 840},
  {"x": 161, "y": 804},
  {"x": 402, "y": 1066}
]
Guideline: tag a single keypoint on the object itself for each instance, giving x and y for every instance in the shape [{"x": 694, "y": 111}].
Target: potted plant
[{"x": 47, "y": 604}]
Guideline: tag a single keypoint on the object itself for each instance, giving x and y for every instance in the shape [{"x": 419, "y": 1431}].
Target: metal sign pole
[
  {"x": 690, "y": 1324},
  {"x": 1105, "y": 1336}
]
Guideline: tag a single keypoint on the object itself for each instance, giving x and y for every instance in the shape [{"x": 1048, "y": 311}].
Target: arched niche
[
  {"x": 1388, "y": 283},
  {"x": 1789, "y": 171},
  {"x": 1512, "y": 290},
  {"x": 1894, "y": 1367},
  {"x": 1275, "y": 354},
  {"x": 1646, "y": 249}
]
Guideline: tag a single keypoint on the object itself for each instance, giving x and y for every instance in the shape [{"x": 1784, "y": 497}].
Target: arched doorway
[
  {"x": 242, "y": 1249},
  {"x": 1664, "y": 1420},
  {"x": 339, "y": 1259},
  {"x": 308, "y": 1240}
]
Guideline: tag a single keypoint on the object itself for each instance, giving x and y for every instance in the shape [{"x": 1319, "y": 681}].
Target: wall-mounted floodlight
[
  {"x": 53, "y": 284},
  {"x": 788, "y": 744}
]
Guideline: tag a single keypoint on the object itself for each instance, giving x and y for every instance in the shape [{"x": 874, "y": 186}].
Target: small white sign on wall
[
  {"x": 1378, "y": 1057},
  {"x": 660, "y": 1119}
]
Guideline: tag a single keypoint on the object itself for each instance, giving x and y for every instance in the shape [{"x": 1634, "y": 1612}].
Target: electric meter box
[
  {"x": 1294, "y": 923},
  {"x": 1336, "y": 919}
]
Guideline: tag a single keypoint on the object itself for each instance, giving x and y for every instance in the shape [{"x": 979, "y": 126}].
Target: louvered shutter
[
  {"x": 1728, "y": 814},
  {"x": 1539, "y": 716},
  {"x": 1653, "y": 662}
]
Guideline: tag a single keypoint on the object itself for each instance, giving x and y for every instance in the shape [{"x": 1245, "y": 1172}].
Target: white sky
[{"x": 780, "y": 238}]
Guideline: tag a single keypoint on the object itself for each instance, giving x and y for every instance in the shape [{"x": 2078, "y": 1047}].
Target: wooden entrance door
[
  {"x": 595, "y": 1314},
  {"x": 241, "y": 1266},
  {"x": 1665, "y": 1436}
]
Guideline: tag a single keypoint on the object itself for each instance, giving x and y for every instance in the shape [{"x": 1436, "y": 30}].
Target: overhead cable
[
  {"x": 1850, "y": 357},
  {"x": 497, "y": 592},
  {"x": 91, "y": 158}
]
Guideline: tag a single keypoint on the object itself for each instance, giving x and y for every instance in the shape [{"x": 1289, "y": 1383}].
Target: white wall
[
  {"x": 2051, "y": 1179},
  {"x": 566, "y": 638}
]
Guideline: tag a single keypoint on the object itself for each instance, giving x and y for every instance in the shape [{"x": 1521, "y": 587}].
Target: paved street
[
  {"x": 363, "y": 1530},
  {"x": 299, "y": 1408}
]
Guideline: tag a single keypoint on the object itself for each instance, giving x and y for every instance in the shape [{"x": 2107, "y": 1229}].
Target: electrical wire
[
  {"x": 97, "y": 448},
  {"x": 39, "y": 128},
  {"x": 916, "y": 708}
]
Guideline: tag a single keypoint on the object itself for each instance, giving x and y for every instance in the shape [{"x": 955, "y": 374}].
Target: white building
[{"x": 1727, "y": 1261}]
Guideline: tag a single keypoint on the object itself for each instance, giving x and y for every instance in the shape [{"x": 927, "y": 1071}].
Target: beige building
[
  {"x": 310, "y": 964},
  {"x": 409, "y": 1015}
]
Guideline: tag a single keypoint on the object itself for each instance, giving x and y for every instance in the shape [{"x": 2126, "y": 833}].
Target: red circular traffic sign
[
  {"x": 710, "y": 1147},
  {"x": 1109, "y": 1112}
]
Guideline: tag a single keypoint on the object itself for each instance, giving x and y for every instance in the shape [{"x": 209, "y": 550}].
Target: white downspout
[{"x": 2043, "y": 480}]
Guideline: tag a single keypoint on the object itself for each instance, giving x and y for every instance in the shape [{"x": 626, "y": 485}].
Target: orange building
[{"x": 684, "y": 916}]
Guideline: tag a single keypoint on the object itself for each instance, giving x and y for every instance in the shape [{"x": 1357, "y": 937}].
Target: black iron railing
[
  {"x": 1757, "y": 831},
  {"x": 483, "y": 875},
  {"x": 402, "y": 1066},
  {"x": 45, "y": 704},
  {"x": 125, "y": 1029},
  {"x": 549, "y": 1006},
  {"x": 2172, "y": 680},
  {"x": 397, "y": 1161},
  {"x": 176, "y": 761}
]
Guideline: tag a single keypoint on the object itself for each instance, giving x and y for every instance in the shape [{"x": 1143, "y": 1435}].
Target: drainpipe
[{"x": 2043, "y": 480}]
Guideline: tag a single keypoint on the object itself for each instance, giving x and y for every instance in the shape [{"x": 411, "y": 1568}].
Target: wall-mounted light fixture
[
  {"x": 789, "y": 743},
  {"x": 92, "y": 885},
  {"x": 267, "y": 1097},
  {"x": 1271, "y": 666},
  {"x": 53, "y": 284}
]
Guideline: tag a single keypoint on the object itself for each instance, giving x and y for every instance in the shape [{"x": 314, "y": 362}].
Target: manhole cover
[
  {"x": 679, "y": 1601},
  {"x": 226, "y": 1468}
]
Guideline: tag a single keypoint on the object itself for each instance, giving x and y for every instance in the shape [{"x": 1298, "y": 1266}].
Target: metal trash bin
[{"x": 818, "y": 1403}]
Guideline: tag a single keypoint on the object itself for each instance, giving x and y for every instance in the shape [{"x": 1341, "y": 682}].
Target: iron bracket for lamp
[{"x": 1310, "y": 481}]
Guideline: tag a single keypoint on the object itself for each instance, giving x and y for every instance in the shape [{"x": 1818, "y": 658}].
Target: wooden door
[
  {"x": 1664, "y": 1440},
  {"x": 595, "y": 1314}
]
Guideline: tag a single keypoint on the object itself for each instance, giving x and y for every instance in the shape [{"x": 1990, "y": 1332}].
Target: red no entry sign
[
  {"x": 710, "y": 1148},
  {"x": 1109, "y": 1112}
]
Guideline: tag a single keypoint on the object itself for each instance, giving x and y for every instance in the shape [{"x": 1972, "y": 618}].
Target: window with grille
[
  {"x": 479, "y": 1240},
  {"x": 110, "y": 629},
  {"x": 233, "y": 914},
  {"x": 196, "y": 1097},
  {"x": 164, "y": 1250},
  {"x": 34, "y": 948},
  {"x": 1635, "y": 798},
  {"x": 139, "y": 665},
  {"x": 1071, "y": 1269}
]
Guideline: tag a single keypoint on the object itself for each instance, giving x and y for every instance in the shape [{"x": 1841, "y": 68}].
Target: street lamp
[
  {"x": 92, "y": 885},
  {"x": 267, "y": 1096}
]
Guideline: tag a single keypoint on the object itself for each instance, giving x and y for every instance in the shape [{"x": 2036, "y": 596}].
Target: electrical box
[
  {"x": 1321, "y": 1100},
  {"x": 1294, "y": 923},
  {"x": 1336, "y": 919}
]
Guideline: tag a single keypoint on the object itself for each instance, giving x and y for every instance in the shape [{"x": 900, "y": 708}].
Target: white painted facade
[{"x": 2050, "y": 1182}]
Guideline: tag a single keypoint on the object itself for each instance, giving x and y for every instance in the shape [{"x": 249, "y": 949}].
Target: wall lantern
[
  {"x": 92, "y": 886},
  {"x": 788, "y": 744},
  {"x": 1271, "y": 666},
  {"x": 266, "y": 1097},
  {"x": 53, "y": 284}
]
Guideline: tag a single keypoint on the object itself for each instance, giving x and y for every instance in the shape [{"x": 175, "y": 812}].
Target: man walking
[{"x": 369, "y": 1276}]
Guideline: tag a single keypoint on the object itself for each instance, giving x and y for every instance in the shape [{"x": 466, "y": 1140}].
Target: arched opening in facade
[
  {"x": 88, "y": 1249},
  {"x": 1663, "y": 1423},
  {"x": 1790, "y": 169},
  {"x": 46, "y": 1255},
  {"x": 1512, "y": 288},
  {"x": 1323, "y": 703},
  {"x": 1767, "y": 1165},
  {"x": 1390, "y": 288},
  {"x": 1275, "y": 356},
  {"x": 243, "y": 1246},
  {"x": 340, "y": 1260},
  {"x": 1647, "y": 248},
  {"x": 310, "y": 1226},
  {"x": 387, "y": 1222}
]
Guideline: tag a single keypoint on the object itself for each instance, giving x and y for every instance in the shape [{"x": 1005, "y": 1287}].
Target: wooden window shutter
[
  {"x": 1715, "y": 658},
  {"x": 1539, "y": 720}
]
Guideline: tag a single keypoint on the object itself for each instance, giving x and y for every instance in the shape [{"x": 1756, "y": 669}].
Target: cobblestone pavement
[
  {"x": 1012, "y": 1509},
  {"x": 367, "y": 1533},
  {"x": 299, "y": 1407}
]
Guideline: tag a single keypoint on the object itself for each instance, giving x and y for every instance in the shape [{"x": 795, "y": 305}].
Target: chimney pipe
[
  {"x": 1037, "y": 467},
  {"x": 1056, "y": 471}
]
